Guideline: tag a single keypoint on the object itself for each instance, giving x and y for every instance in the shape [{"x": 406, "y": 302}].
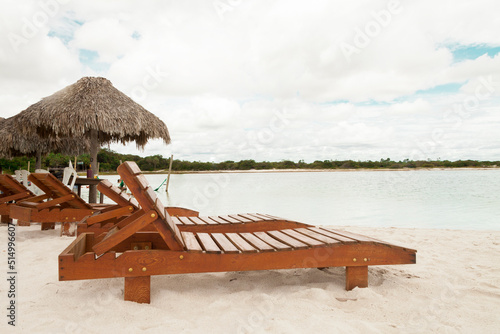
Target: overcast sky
[{"x": 273, "y": 80}]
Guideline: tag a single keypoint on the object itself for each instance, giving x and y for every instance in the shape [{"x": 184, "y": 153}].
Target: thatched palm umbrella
[
  {"x": 15, "y": 143},
  {"x": 94, "y": 109}
]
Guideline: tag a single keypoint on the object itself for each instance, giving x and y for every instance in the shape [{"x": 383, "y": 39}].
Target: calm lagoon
[{"x": 446, "y": 199}]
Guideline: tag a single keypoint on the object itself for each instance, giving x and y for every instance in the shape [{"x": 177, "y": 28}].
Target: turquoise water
[{"x": 456, "y": 199}]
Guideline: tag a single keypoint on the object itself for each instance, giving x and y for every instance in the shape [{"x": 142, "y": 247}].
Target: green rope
[{"x": 160, "y": 185}]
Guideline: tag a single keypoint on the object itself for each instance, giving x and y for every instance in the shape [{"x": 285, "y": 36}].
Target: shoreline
[{"x": 251, "y": 171}]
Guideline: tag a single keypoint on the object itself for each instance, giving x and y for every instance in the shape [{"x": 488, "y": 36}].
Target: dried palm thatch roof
[
  {"x": 14, "y": 143},
  {"x": 93, "y": 104}
]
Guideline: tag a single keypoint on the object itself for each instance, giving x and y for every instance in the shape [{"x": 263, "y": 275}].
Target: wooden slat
[
  {"x": 116, "y": 213},
  {"x": 249, "y": 217},
  {"x": 134, "y": 202},
  {"x": 14, "y": 197},
  {"x": 177, "y": 221},
  {"x": 230, "y": 219},
  {"x": 150, "y": 195},
  {"x": 173, "y": 226},
  {"x": 191, "y": 242},
  {"x": 351, "y": 235},
  {"x": 207, "y": 242},
  {"x": 261, "y": 217},
  {"x": 218, "y": 220},
  {"x": 332, "y": 235},
  {"x": 303, "y": 238},
  {"x": 271, "y": 241},
  {"x": 206, "y": 220},
  {"x": 59, "y": 200},
  {"x": 317, "y": 236},
  {"x": 132, "y": 167},
  {"x": 256, "y": 242},
  {"x": 224, "y": 243},
  {"x": 287, "y": 239},
  {"x": 142, "y": 181},
  {"x": 198, "y": 221},
  {"x": 185, "y": 220},
  {"x": 240, "y": 218},
  {"x": 241, "y": 243},
  {"x": 106, "y": 183},
  {"x": 273, "y": 217}
]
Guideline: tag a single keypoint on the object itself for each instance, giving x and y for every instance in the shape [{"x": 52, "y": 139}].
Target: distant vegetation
[{"x": 110, "y": 160}]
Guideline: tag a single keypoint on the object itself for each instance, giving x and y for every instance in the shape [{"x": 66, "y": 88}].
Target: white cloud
[{"x": 270, "y": 80}]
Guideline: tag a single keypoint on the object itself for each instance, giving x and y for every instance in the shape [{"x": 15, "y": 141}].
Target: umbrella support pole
[{"x": 94, "y": 148}]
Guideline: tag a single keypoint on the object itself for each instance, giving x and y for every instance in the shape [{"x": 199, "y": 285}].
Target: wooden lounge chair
[
  {"x": 127, "y": 252},
  {"x": 62, "y": 204},
  {"x": 12, "y": 191}
]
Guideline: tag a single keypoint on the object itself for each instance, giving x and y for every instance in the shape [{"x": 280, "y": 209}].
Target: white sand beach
[{"x": 453, "y": 288}]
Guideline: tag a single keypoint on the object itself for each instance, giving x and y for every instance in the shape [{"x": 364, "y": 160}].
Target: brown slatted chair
[
  {"x": 136, "y": 255},
  {"x": 62, "y": 204},
  {"x": 12, "y": 191}
]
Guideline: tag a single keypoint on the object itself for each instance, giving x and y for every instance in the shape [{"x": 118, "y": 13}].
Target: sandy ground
[{"x": 453, "y": 288}]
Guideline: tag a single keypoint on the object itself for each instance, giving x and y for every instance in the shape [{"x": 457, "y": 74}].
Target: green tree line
[{"x": 109, "y": 161}]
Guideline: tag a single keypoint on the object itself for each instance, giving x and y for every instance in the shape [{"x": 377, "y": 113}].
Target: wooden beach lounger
[
  {"x": 62, "y": 204},
  {"x": 136, "y": 256},
  {"x": 12, "y": 191}
]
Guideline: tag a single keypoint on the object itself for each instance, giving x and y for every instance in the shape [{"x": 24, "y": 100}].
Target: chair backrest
[
  {"x": 10, "y": 186},
  {"x": 56, "y": 189},
  {"x": 41, "y": 171},
  {"x": 19, "y": 175},
  {"x": 24, "y": 177},
  {"x": 69, "y": 177},
  {"x": 145, "y": 195},
  {"x": 117, "y": 195}
]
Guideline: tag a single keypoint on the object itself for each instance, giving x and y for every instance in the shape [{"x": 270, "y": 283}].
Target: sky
[{"x": 274, "y": 80}]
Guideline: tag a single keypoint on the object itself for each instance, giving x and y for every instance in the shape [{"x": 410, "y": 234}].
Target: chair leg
[
  {"x": 137, "y": 289},
  {"x": 5, "y": 219},
  {"x": 48, "y": 226},
  {"x": 356, "y": 277},
  {"x": 68, "y": 229}
]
